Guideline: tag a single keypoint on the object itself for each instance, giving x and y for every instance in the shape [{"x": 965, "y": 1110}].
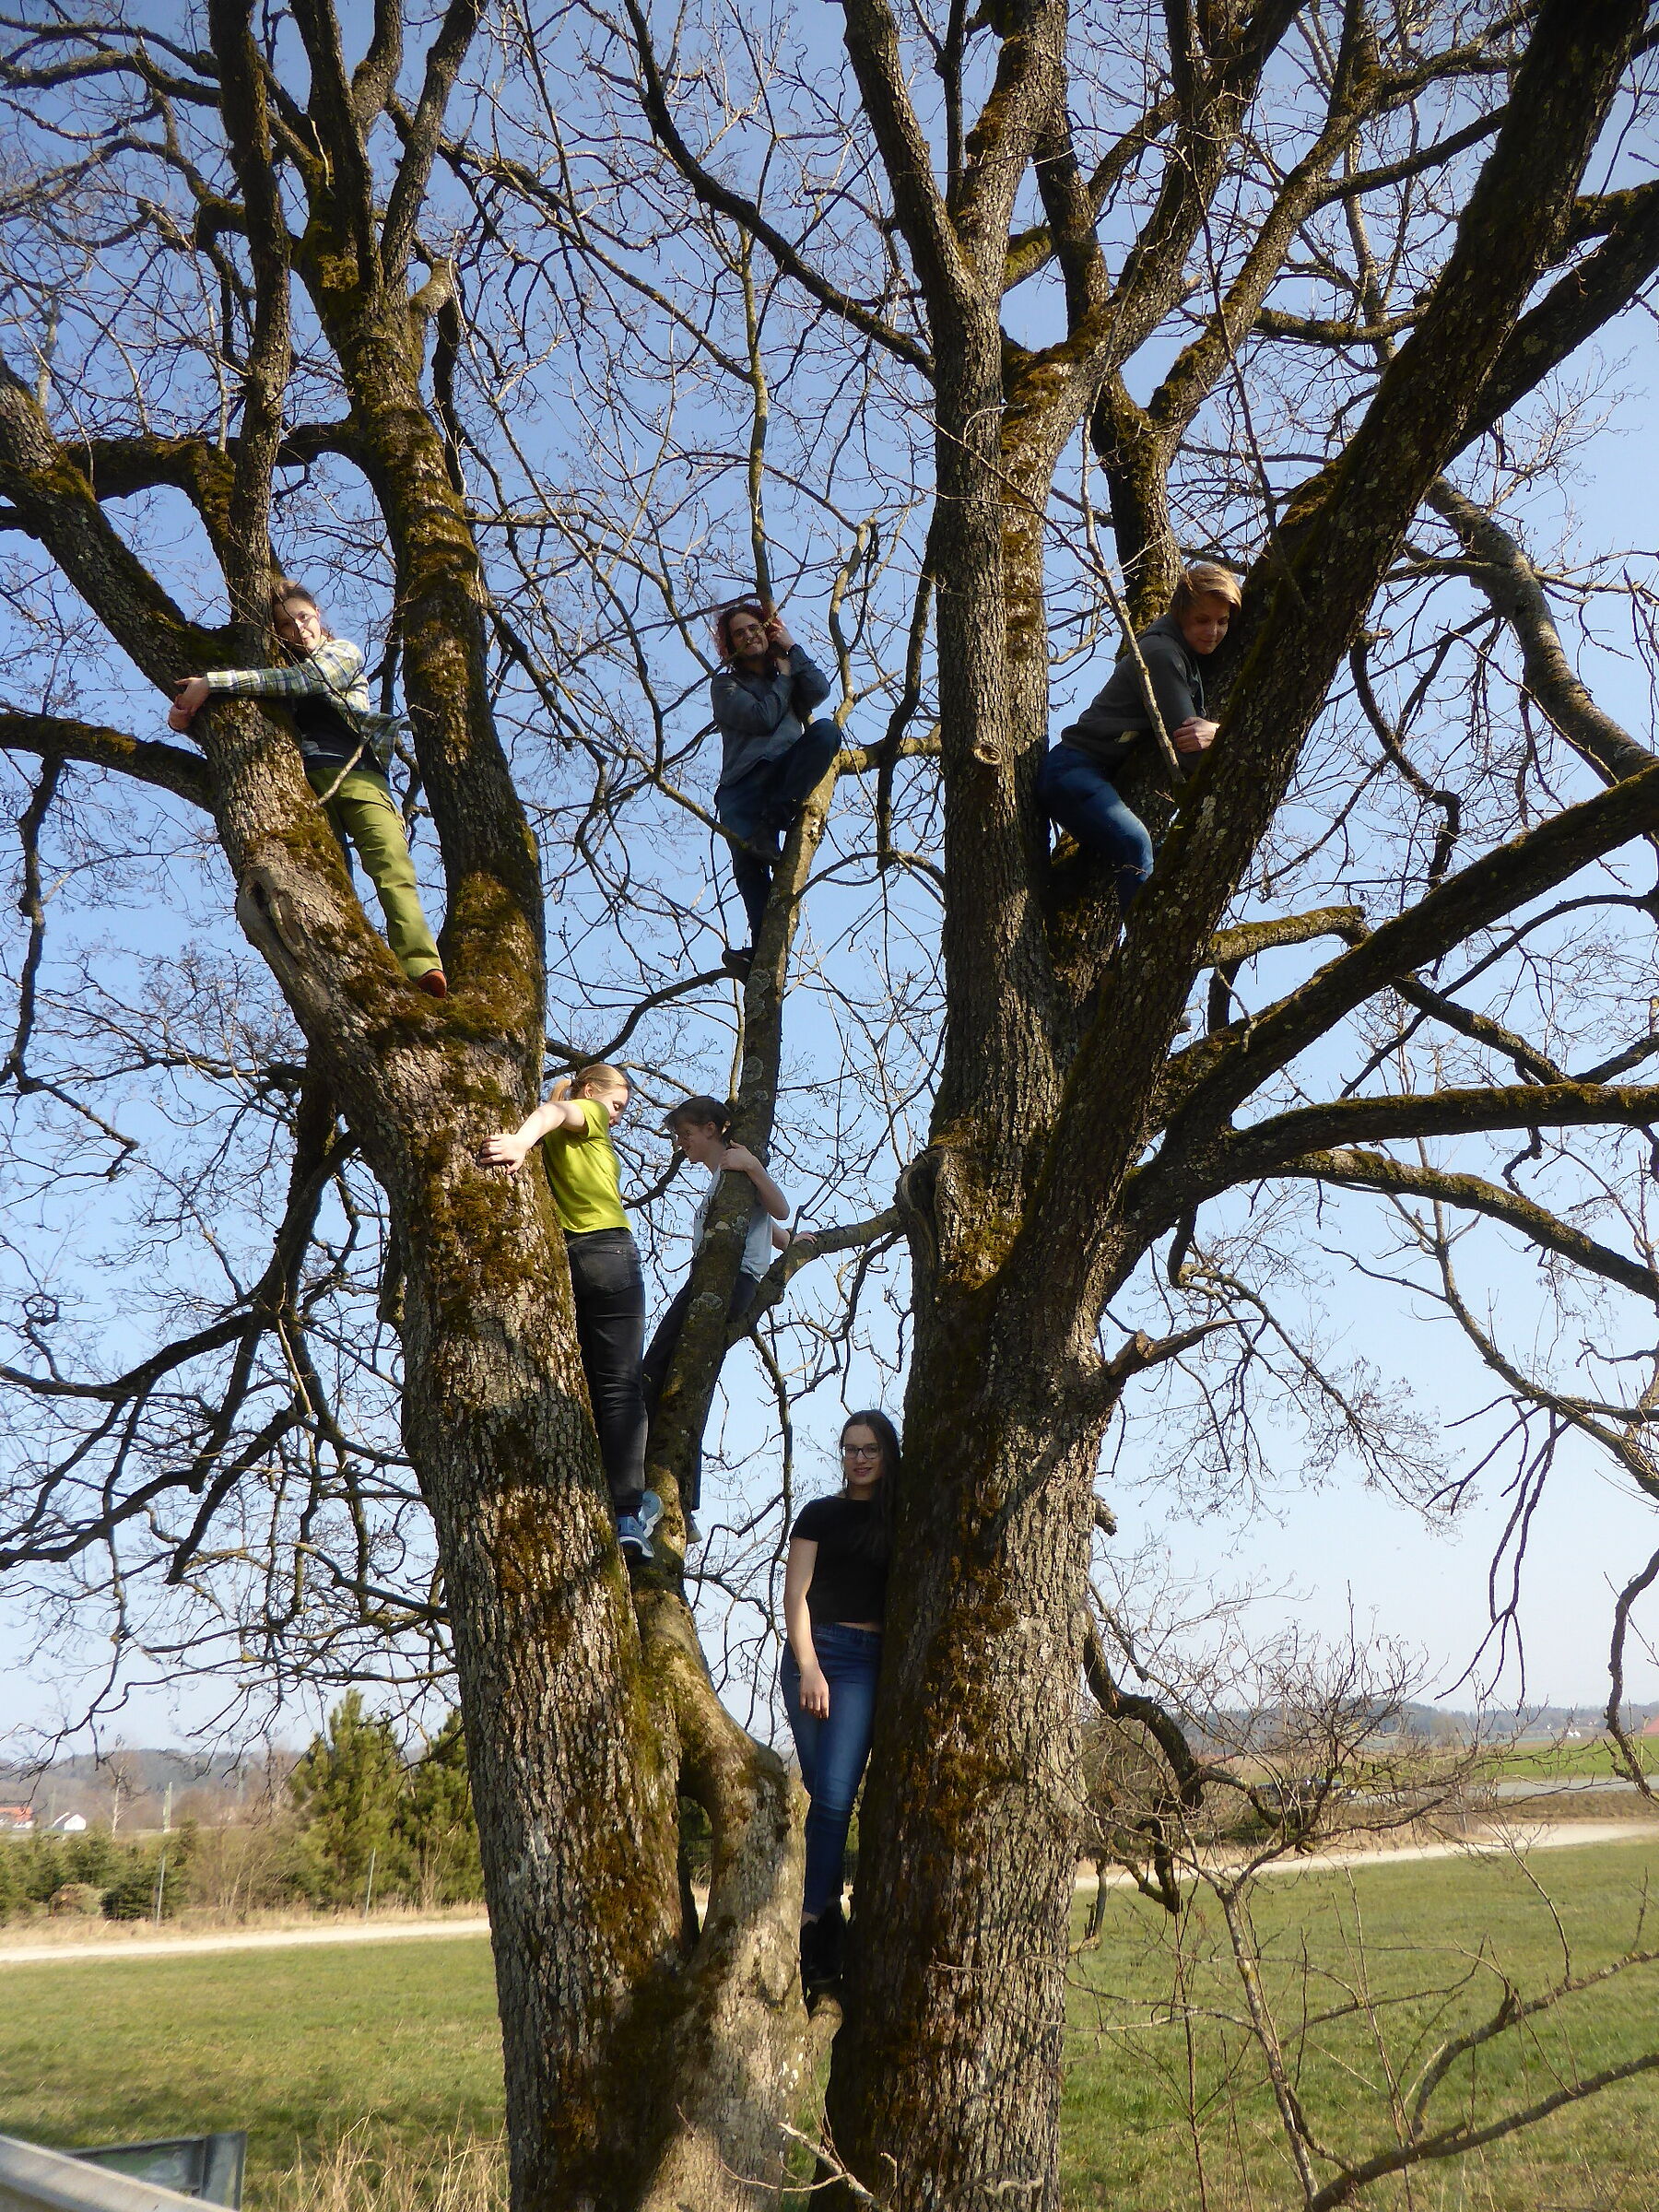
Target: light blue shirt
[{"x": 757, "y": 1242}]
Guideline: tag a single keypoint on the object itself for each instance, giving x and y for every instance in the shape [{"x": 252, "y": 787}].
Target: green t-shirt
[{"x": 582, "y": 1167}]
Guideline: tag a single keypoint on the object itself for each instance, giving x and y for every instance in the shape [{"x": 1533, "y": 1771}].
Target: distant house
[
  {"x": 69, "y": 1824},
  {"x": 17, "y": 1819},
  {"x": 1649, "y": 1727}
]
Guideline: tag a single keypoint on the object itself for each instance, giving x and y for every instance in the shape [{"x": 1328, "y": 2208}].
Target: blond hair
[
  {"x": 1205, "y": 580},
  {"x": 599, "y": 1074}
]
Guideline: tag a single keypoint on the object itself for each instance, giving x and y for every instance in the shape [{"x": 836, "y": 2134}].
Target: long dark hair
[{"x": 875, "y": 1542}]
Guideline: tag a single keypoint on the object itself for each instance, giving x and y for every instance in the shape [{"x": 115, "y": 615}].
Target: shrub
[
  {"x": 348, "y": 1790},
  {"x": 132, "y": 1895},
  {"x": 77, "y": 1897},
  {"x": 13, "y": 1895},
  {"x": 435, "y": 1823},
  {"x": 95, "y": 1857}
]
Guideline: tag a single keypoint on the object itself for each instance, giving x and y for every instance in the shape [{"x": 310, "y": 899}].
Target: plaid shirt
[{"x": 333, "y": 672}]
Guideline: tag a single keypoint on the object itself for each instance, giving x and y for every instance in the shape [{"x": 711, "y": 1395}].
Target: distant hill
[{"x": 204, "y": 1785}]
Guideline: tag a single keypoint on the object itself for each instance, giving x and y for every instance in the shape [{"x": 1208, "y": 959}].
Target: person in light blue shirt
[{"x": 701, "y": 1128}]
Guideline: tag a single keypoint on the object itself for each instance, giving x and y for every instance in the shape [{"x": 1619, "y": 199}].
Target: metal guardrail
[
  {"x": 33, "y": 2180},
  {"x": 209, "y": 2167}
]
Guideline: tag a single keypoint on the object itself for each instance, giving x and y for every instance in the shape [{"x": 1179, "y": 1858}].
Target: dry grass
[
  {"x": 369, "y": 2171},
  {"x": 43, "y": 1931}
]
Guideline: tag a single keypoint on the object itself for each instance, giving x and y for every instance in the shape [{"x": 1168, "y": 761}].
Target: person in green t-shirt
[{"x": 574, "y": 1127}]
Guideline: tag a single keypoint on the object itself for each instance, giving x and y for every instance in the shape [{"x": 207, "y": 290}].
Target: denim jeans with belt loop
[
  {"x": 832, "y": 1751},
  {"x": 1077, "y": 792},
  {"x": 757, "y": 808}
]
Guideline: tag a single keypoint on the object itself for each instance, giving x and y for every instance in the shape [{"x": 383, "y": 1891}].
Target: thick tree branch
[
  {"x": 58, "y": 508},
  {"x": 1246, "y": 940},
  {"x": 1574, "y": 307},
  {"x": 423, "y": 135},
  {"x": 1511, "y": 585},
  {"x": 1267, "y": 1146},
  {"x": 1356, "y": 1170},
  {"x": 873, "y": 48},
  {"x": 1213, "y": 1077},
  {"x": 1031, "y": 251},
  {"x": 57, "y": 737}
]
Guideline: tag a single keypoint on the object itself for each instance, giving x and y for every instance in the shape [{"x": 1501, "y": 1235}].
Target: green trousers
[{"x": 363, "y": 813}]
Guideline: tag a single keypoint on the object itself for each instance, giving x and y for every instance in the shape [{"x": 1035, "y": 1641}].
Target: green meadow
[{"x": 393, "y": 2047}]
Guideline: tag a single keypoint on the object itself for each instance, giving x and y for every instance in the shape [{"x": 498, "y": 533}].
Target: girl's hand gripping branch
[
  {"x": 512, "y": 1148},
  {"x": 190, "y": 697}
]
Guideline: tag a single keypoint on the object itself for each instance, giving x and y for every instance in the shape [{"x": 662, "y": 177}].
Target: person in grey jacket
[
  {"x": 1075, "y": 785},
  {"x": 772, "y": 755}
]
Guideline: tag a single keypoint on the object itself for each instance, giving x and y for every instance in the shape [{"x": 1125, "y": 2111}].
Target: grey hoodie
[
  {"x": 1109, "y": 728},
  {"x": 760, "y": 717}
]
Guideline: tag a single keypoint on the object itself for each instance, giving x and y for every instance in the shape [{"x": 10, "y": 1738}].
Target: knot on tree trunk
[{"x": 270, "y": 917}]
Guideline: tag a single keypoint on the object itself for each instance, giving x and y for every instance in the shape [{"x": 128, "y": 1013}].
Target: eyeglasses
[{"x": 861, "y": 1451}]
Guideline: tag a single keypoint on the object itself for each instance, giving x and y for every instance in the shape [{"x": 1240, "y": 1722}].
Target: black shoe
[
  {"x": 821, "y": 1950},
  {"x": 737, "y": 959}
]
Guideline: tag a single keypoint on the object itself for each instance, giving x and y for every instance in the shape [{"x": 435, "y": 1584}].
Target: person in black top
[
  {"x": 1076, "y": 784},
  {"x": 773, "y": 754},
  {"x": 834, "y": 1598}
]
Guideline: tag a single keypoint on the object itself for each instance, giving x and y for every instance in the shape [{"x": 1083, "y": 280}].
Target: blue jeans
[
  {"x": 758, "y": 807},
  {"x": 832, "y": 1752},
  {"x": 1082, "y": 798}
]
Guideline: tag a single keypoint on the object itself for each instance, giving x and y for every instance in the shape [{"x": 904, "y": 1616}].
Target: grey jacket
[
  {"x": 760, "y": 717},
  {"x": 1109, "y": 729}
]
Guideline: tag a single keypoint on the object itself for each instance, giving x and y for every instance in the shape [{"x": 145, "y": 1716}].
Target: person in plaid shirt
[{"x": 323, "y": 691}]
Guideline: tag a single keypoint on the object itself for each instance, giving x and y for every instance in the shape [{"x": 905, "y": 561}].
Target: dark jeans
[
  {"x": 1082, "y": 798},
  {"x": 660, "y": 1350},
  {"x": 610, "y": 1327},
  {"x": 759, "y": 805},
  {"x": 832, "y": 1752}
]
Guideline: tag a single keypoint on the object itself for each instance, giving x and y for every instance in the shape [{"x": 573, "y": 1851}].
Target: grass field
[
  {"x": 394, "y": 2046},
  {"x": 399, "y": 2039},
  {"x": 1560, "y": 1762}
]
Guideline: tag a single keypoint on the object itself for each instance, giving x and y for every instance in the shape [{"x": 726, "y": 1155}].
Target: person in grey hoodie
[
  {"x": 1076, "y": 784},
  {"x": 764, "y": 692}
]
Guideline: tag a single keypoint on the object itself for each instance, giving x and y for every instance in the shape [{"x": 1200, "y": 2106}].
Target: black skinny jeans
[
  {"x": 660, "y": 1350},
  {"x": 610, "y": 1327}
]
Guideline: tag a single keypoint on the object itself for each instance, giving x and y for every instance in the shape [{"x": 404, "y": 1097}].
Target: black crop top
[{"x": 845, "y": 1584}]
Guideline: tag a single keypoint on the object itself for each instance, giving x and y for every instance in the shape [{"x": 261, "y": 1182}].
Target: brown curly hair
[{"x": 761, "y": 609}]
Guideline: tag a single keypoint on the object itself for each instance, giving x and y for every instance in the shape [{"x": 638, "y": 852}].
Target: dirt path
[
  {"x": 47, "y": 1952},
  {"x": 1520, "y": 1836},
  {"x": 1515, "y": 1835}
]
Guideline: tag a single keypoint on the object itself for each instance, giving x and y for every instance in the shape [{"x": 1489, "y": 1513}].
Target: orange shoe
[{"x": 433, "y": 983}]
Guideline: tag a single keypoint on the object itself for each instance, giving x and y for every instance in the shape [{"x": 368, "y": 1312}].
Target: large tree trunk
[
  {"x": 648, "y": 2062},
  {"x": 944, "y": 2091}
]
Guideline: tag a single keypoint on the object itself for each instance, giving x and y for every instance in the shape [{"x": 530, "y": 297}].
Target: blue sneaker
[{"x": 633, "y": 1530}]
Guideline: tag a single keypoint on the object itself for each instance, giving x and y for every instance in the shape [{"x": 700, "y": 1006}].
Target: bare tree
[
  {"x": 712, "y": 307},
  {"x": 1243, "y": 1760}
]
